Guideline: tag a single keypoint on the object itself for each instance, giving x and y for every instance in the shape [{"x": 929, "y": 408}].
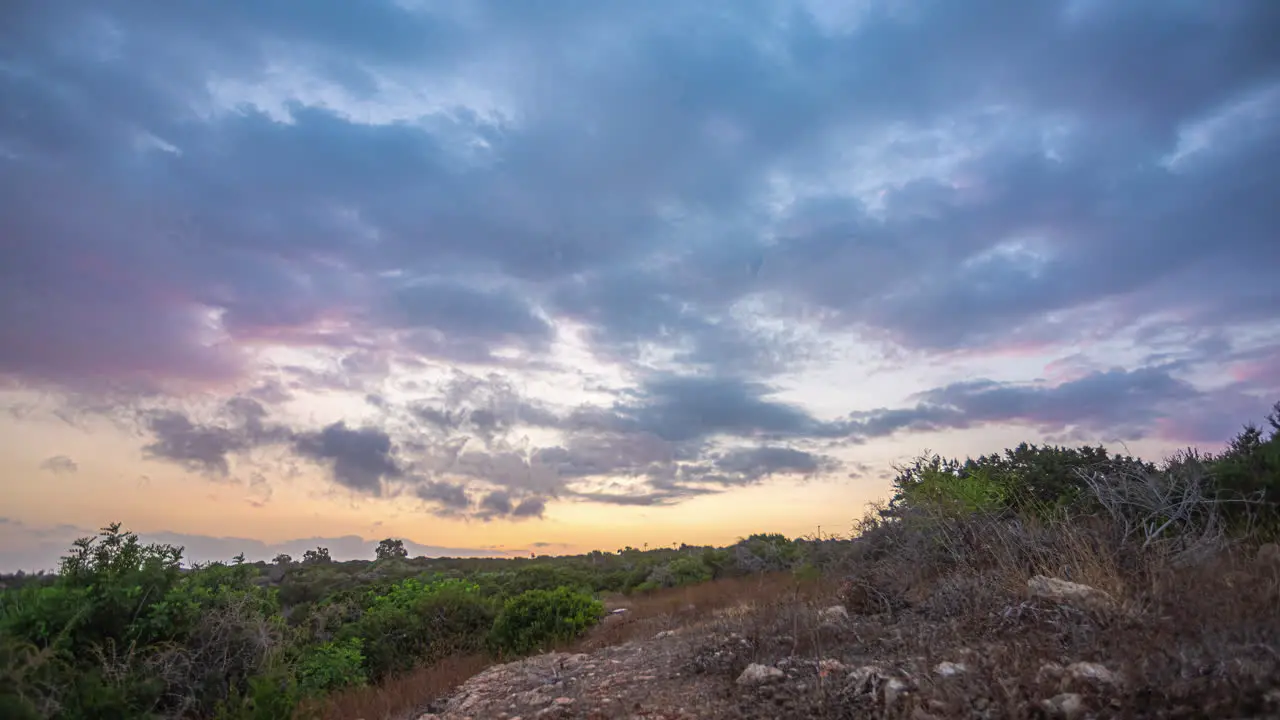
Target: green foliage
[
  {"x": 538, "y": 618},
  {"x": 1038, "y": 479},
  {"x": 414, "y": 622},
  {"x": 331, "y": 665},
  {"x": 319, "y": 556},
  {"x": 717, "y": 562},
  {"x": 954, "y": 492},
  {"x": 127, "y": 633},
  {"x": 270, "y": 695},
  {"x": 684, "y": 570},
  {"x": 764, "y": 552},
  {"x": 123, "y": 630},
  {"x": 391, "y": 549},
  {"x": 1250, "y": 466}
]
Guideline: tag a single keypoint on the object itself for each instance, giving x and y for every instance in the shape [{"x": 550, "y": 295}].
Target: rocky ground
[
  {"x": 1134, "y": 636},
  {"x": 799, "y": 660}
]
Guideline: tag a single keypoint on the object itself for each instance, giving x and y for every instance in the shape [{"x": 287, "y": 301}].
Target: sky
[{"x": 505, "y": 277}]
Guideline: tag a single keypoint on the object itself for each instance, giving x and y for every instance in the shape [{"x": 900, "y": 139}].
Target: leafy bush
[
  {"x": 331, "y": 665},
  {"x": 953, "y": 492},
  {"x": 127, "y": 633},
  {"x": 1249, "y": 468},
  {"x": 417, "y": 622},
  {"x": 681, "y": 571},
  {"x": 1041, "y": 480},
  {"x": 538, "y": 618}
]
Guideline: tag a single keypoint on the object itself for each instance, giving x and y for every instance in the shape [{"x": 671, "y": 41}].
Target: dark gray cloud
[
  {"x": 496, "y": 503},
  {"x": 60, "y": 465},
  {"x": 1102, "y": 405},
  {"x": 415, "y": 185},
  {"x": 529, "y": 508},
  {"x": 198, "y": 447},
  {"x": 464, "y": 324},
  {"x": 207, "y": 447},
  {"x": 754, "y": 463},
  {"x": 360, "y": 458},
  {"x": 451, "y": 497},
  {"x": 681, "y": 408}
]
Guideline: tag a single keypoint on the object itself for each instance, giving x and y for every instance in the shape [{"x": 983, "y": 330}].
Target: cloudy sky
[{"x": 504, "y": 276}]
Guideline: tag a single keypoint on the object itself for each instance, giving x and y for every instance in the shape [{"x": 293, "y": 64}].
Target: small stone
[
  {"x": 894, "y": 689},
  {"x": 830, "y": 666},
  {"x": 563, "y": 701},
  {"x": 949, "y": 669},
  {"x": 1068, "y": 593},
  {"x": 1091, "y": 672},
  {"x": 835, "y": 614},
  {"x": 865, "y": 678},
  {"x": 757, "y": 674},
  {"x": 1066, "y": 706},
  {"x": 1050, "y": 672},
  {"x": 664, "y": 634}
]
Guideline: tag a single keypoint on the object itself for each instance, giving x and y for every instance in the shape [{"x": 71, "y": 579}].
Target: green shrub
[
  {"x": 681, "y": 571},
  {"x": 957, "y": 493},
  {"x": 1250, "y": 468},
  {"x": 538, "y": 618},
  {"x": 1041, "y": 480},
  {"x": 416, "y": 622},
  {"x": 332, "y": 665},
  {"x": 271, "y": 695}
]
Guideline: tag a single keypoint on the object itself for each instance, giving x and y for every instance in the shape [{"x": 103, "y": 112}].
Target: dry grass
[
  {"x": 1189, "y": 639},
  {"x": 398, "y": 696},
  {"x": 649, "y": 613}
]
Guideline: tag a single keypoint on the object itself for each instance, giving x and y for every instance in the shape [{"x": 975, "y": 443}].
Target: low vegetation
[
  {"x": 124, "y": 630},
  {"x": 1188, "y": 616}
]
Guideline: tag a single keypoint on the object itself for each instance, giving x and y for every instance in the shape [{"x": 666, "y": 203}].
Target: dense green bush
[
  {"x": 331, "y": 665},
  {"x": 539, "y": 618},
  {"x": 125, "y": 632},
  {"x": 684, "y": 570},
  {"x": 415, "y": 622},
  {"x": 1038, "y": 479},
  {"x": 1250, "y": 468},
  {"x": 1237, "y": 490}
]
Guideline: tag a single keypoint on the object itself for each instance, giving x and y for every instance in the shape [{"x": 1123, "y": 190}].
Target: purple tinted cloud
[{"x": 403, "y": 187}]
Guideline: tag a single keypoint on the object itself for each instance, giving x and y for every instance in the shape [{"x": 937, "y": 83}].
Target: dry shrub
[{"x": 1194, "y": 629}]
